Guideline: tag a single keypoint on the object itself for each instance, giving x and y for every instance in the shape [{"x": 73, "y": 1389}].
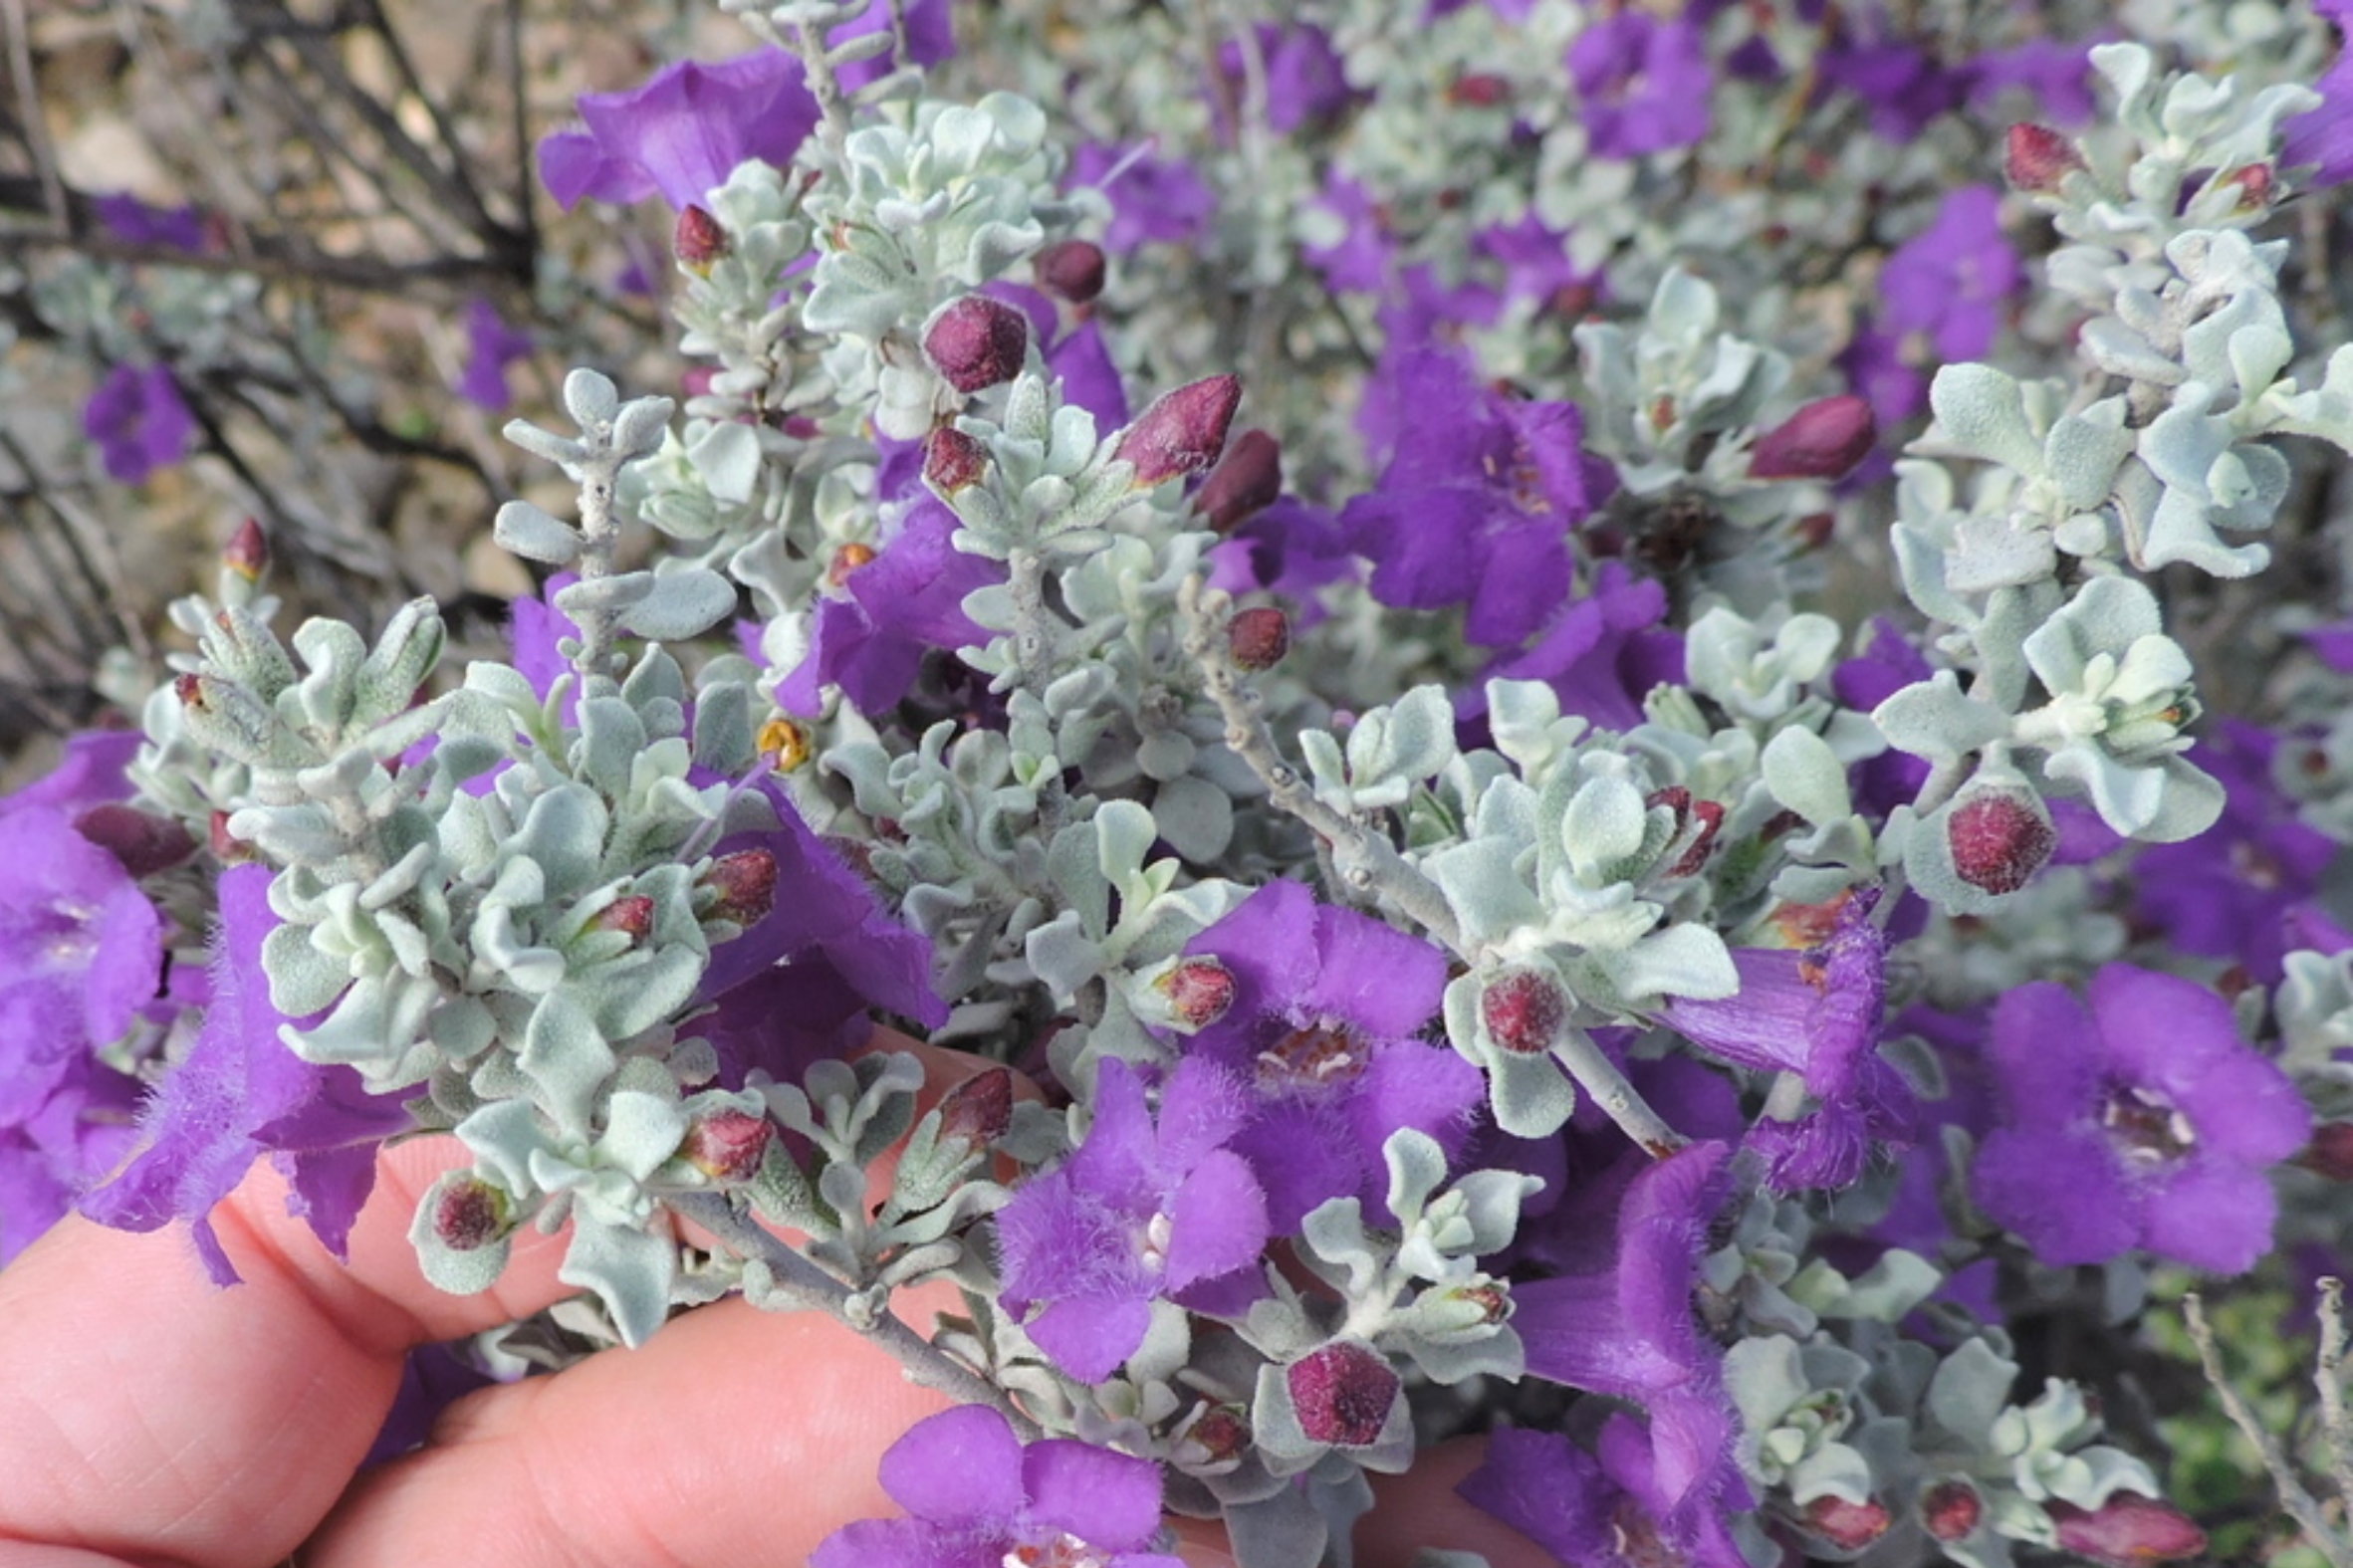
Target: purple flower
[
  {"x": 2142, "y": 1122},
  {"x": 1602, "y": 1511},
  {"x": 1602, "y": 654},
  {"x": 140, "y": 421},
  {"x": 2227, "y": 893},
  {"x": 1887, "y": 665},
  {"x": 491, "y": 346},
  {"x": 1151, "y": 198},
  {"x": 976, "y": 1499},
  {"x": 133, "y": 222},
  {"x": 80, "y": 948},
  {"x": 1305, "y": 82},
  {"x": 241, "y": 1092},
  {"x": 1359, "y": 260},
  {"x": 2324, "y": 135},
  {"x": 92, "y": 773},
  {"x": 2058, "y": 74},
  {"x": 1818, "y": 1014},
  {"x": 871, "y": 639},
  {"x": 1536, "y": 265},
  {"x": 1477, "y": 499},
  {"x": 1643, "y": 84},
  {"x": 1905, "y": 88},
  {"x": 1628, "y": 1331},
  {"x": 931, "y": 37},
  {"x": 683, "y": 132},
  {"x": 1325, "y": 1007},
  {"x": 1953, "y": 280},
  {"x": 78, "y": 1134},
  {"x": 1147, "y": 1208}
]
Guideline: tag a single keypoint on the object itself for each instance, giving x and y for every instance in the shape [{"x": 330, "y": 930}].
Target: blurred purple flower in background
[
  {"x": 140, "y": 421},
  {"x": 681, "y": 133},
  {"x": 1643, "y": 84},
  {"x": 491, "y": 346},
  {"x": 1954, "y": 280},
  {"x": 135, "y": 222}
]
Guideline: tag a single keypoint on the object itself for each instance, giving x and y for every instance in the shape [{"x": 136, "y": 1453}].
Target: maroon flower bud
[
  {"x": 1479, "y": 90},
  {"x": 2000, "y": 839},
  {"x": 2255, "y": 187},
  {"x": 728, "y": 1145},
  {"x": 698, "y": 240},
  {"x": 1849, "y": 1526},
  {"x": 1822, "y": 440},
  {"x": 2127, "y": 1532},
  {"x": 976, "y": 341},
  {"x": 1182, "y": 432},
  {"x": 952, "y": 460},
  {"x": 469, "y": 1213},
  {"x": 1258, "y": 639},
  {"x": 1072, "y": 269},
  {"x": 1199, "y": 990},
  {"x": 745, "y": 885},
  {"x": 226, "y": 847},
  {"x": 1523, "y": 1011},
  {"x": 1708, "y": 813},
  {"x": 632, "y": 914},
  {"x": 1950, "y": 1510},
  {"x": 1222, "y": 1432},
  {"x": 978, "y": 1110},
  {"x": 189, "y": 687},
  {"x": 248, "y": 551},
  {"x": 1248, "y": 478},
  {"x": 2330, "y": 1153},
  {"x": 2038, "y": 158},
  {"x": 142, "y": 842},
  {"x": 1343, "y": 1393}
]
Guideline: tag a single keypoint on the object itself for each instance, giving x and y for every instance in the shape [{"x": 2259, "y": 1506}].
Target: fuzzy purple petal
[
  {"x": 961, "y": 1467},
  {"x": 2215, "y": 1215},
  {"x": 2061, "y": 1192},
  {"x": 1109, "y": 1500},
  {"x": 1217, "y": 1221},
  {"x": 92, "y": 771},
  {"x": 1091, "y": 1337},
  {"x": 1382, "y": 980}
]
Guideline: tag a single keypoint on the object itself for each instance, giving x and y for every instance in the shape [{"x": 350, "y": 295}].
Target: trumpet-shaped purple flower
[
  {"x": 491, "y": 346},
  {"x": 909, "y": 599},
  {"x": 1953, "y": 280},
  {"x": 1148, "y": 1208},
  {"x": 976, "y": 1499},
  {"x": 1628, "y": 1331},
  {"x": 1326, "y": 1005},
  {"x": 1818, "y": 1012},
  {"x": 2324, "y": 137},
  {"x": 681, "y": 133},
  {"x": 241, "y": 1093},
  {"x": 140, "y": 421},
  {"x": 1605, "y": 1510},
  {"x": 2142, "y": 1121},
  {"x": 1477, "y": 499},
  {"x": 1643, "y": 84}
]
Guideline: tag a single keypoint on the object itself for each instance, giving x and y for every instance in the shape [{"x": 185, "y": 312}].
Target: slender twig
[
  {"x": 28, "y": 95},
  {"x": 800, "y": 1283},
  {"x": 2330, "y": 1380},
  {"x": 2299, "y": 1504}
]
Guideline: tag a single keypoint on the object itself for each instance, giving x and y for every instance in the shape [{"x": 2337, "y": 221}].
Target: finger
[
  {"x": 147, "y": 1413},
  {"x": 1420, "y": 1509},
  {"x": 733, "y": 1439}
]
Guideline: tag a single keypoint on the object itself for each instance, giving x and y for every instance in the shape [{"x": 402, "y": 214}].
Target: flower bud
[
  {"x": 977, "y": 1111},
  {"x": 1524, "y": 1010},
  {"x": 2330, "y": 1153},
  {"x": 2127, "y": 1532},
  {"x": 1708, "y": 813},
  {"x": 1343, "y": 1393},
  {"x": 975, "y": 341},
  {"x": 745, "y": 885},
  {"x": 226, "y": 847},
  {"x": 728, "y": 1145},
  {"x": 1072, "y": 269},
  {"x": 1221, "y": 1433},
  {"x": 2256, "y": 188},
  {"x": 144, "y": 843},
  {"x": 1247, "y": 478},
  {"x": 1849, "y": 1526},
  {"x": 1950, "y": 1510},
  {"x": 248, "y": 551},
  {"x": 952, "y": 460},
  {"x": 698, "y": 240},
  {"x": 1182, "y": 432},
  {"x": 1258, "y": 639},
  {"x": 632, "y": 914},
  {"x": 1822, "y": 440},
  {"x": 469, "y": 1213},
  {"x": 1999, "y": 838},
  {"x": 1199, "y": 990},
  {"x": 1479, "y": 90},
  {"x": 2038, "y": 158}
]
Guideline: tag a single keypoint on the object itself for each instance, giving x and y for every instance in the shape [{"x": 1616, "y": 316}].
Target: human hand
[{"x": 145, "y": 1414}]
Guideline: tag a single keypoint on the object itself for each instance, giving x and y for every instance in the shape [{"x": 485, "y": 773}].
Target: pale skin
[{"x": 149, "y": 1417}]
